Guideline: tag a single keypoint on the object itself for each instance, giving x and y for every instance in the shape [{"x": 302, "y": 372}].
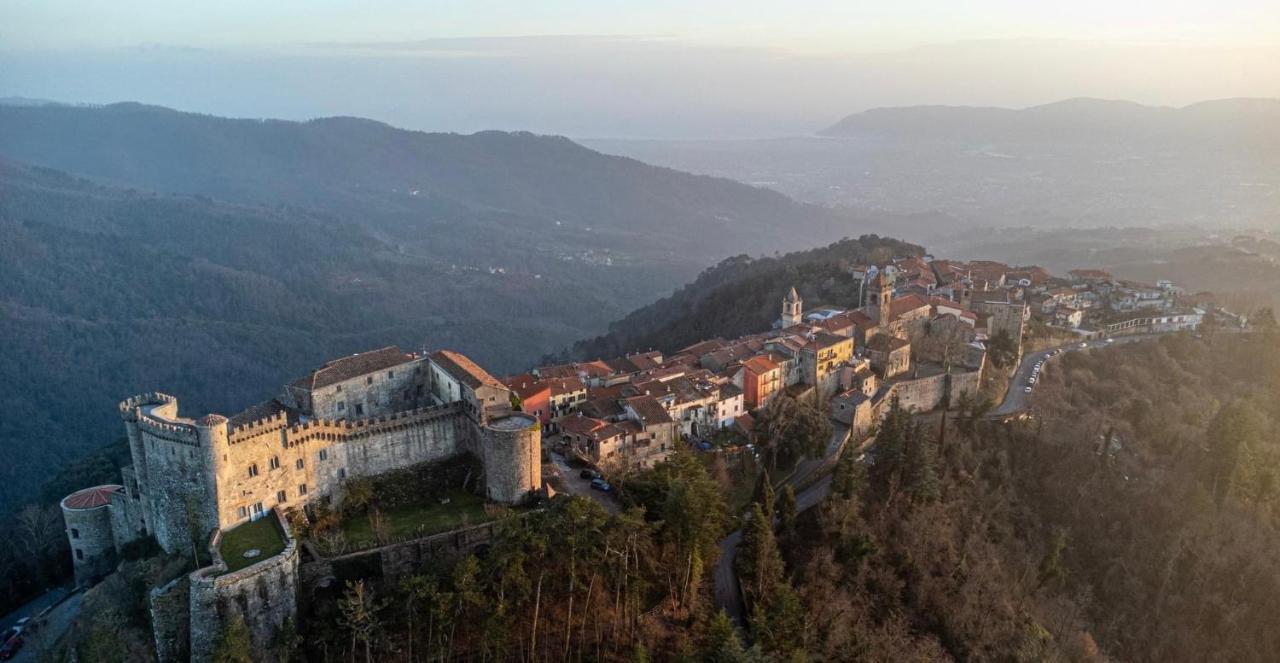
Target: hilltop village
[{"x": 234, "y": 491}]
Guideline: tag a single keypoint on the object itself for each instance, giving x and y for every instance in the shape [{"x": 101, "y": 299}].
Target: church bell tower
[{"x": 792, "y": 306}]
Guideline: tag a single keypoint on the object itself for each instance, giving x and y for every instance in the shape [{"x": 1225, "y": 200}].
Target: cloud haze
[{"x": 744, "y": 69}]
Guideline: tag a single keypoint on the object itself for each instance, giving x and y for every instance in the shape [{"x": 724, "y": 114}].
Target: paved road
[
  {"x": 569, "y": 481},
  {"x": 1017, "y": 399},
  {"x": 728, "y": 594},
  {"x": 53, "y": 624}
]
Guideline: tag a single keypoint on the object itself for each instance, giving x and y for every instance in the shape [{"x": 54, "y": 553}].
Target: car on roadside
[
  {"x": 13, "y": 642},
  {"x": 601, "y": 485},
  {"x": 1027, "y": 390},
  {"x": 589, "y": 474}
]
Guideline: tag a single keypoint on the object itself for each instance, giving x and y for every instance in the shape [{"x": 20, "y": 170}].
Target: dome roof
[
  {"x": 211, "y": 420},
  {"x": 90, "y": 498}
]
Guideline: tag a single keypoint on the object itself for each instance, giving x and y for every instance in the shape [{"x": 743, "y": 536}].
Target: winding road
[
  {"x": 1017, "y": 399},
  {"x": 728, "y": 594}
]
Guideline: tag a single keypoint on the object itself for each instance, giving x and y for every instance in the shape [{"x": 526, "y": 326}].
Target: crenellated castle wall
[
  {"x": 311, "y": 459},
  {"x": 263, "y": 594}
]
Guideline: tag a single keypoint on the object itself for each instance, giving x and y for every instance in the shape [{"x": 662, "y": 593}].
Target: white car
[
  {"x": 1111, "y": 340},
  {"x": 1027, "y": 390}
]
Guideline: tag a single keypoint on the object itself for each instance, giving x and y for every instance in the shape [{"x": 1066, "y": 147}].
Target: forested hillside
[
  {"x": 415, "y": 186},
  {"x": 742, "y": 295},
  {"x": 215, "y": 258},
  {"x": 1133, "y": 519},
  {"x": 110, "y": 292}
]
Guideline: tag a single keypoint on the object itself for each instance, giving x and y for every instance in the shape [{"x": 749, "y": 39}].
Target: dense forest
[
  {"x": 743, "y": 295},
  {"x": 1127, "y": 522},
  {"x": 216, "y": 258},
  {"x": 1132, "y": 518}
]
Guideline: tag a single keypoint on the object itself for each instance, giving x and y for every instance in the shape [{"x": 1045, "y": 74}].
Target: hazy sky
[{"x": 631, "y": 69}]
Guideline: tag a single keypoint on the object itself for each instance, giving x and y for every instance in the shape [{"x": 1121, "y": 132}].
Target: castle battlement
[
  {"x": 258, "y": 426},
  {"x": 129, "y": 406},
  {"x": 172, "y": 431},
  {"x": 192, "y": 476}
]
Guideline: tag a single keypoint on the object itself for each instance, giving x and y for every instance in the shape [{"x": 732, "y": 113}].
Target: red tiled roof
[
  {"x": 525, "y": 385},
  {"x": 463, "y": 369},
  {"x": 90, "y": 498},
  {"x": 340, "y": 370},
  {"x": 649, "y": 409},
  {"x": 760, "y": 364},
  {"x": 903, "y": 305},
  {"x": 561, "y": 386},
  {"x": 579, "y": 425}
]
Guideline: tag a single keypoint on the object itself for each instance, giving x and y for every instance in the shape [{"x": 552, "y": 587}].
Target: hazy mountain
[
  {"x": 1080, "y": 162},
  {"x": 380, "y": 175},
  {"x": 1073, "y": 121},
  {"x": 217, "y": 258}
]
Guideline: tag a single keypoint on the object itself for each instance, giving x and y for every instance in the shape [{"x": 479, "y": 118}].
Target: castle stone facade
[{"x": 358, "y": 416}]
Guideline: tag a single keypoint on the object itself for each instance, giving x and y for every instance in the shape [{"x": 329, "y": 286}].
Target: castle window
[
  {"x": 281, "y": 496},
  {"x": 391, "y": 374},
  {"x": 419, "y": 390},
  {"x": 368, "y": 380},
  {"x": 338, "y": 389},
  {"x": 324, "y": 454},
  {"x": 253, "y": 470},
  {"x": 257, "y": 508},
  {"x": 75, "y": 533},
  {"x": 275, "y": 462},
  {"x": 342, "y": 473},
  {"x": 300, "y": 464},
  {"x": 359, "y": 409},
  {"x": 244, "y": 512},
  {"x": 302, "y": 489},
  {"x": 79, "y": 554},
  {"x": 341, "y": 406}
]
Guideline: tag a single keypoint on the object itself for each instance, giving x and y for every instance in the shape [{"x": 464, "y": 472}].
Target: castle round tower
[
  {"x": 87, "y": 515},
  {"x": 512, "y": 455}
]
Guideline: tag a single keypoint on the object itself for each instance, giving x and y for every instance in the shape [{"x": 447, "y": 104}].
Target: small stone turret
[
  {"x": 512, "y": 453},
  {"x": 792, "y": 308},
  {"x": 88, "y": 518}
]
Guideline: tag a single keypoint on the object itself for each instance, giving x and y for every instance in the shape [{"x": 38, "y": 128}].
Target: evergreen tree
[
  {"x": 765, "y": 495},
  {"x": 759, "y": 560},
  {"x": 1234, "y": 430},
  {"x": 787, "y": 511},
  {"x": 889, "y": 452},
  {"x": 920, "y": 475},
  {"x": 358, "y": 614}
]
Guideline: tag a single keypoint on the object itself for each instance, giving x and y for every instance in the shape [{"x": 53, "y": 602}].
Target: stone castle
[{"x": 193, "y": 479}]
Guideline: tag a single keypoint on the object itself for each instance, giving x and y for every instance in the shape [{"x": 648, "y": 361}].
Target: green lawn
[
  {"x": 261, "y": 534},
  {"x": 421, "y": 519}
]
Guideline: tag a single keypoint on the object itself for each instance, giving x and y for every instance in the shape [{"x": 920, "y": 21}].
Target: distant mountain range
[
  {"x": 1080, "y": 162},
  {"x": 1078, "y": 121},
  {"x": 214, "y": 258}
]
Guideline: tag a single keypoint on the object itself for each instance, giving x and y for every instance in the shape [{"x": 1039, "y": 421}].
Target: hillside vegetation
[
  {"x": 743, "y": 295},
  {"x": 216, "y": 258}
]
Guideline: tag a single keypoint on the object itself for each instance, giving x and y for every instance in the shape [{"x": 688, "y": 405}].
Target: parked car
[
  {"x": 1027, "y": 390},
  {"x": 589, "y": 474},
  {"x": 601, "y": 485},
  {"x": 13, "y": 642}
]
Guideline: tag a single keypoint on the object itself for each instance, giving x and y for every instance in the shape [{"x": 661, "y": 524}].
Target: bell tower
[
  {"x": 792, "y": 306},
  {"x": 884, "y": 297}
]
